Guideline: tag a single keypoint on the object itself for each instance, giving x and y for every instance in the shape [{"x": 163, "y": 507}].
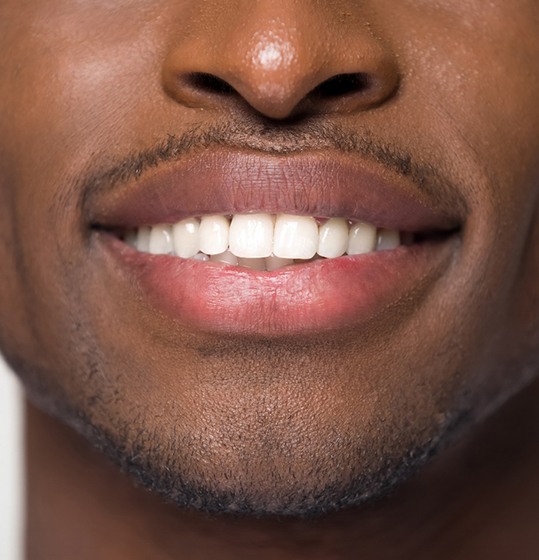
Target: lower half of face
[
  {"x": 298, "y": 389},
  {"x": 297, "y": 424}
]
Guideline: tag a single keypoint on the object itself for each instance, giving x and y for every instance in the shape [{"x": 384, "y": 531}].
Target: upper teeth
[{"x": 262, "y": 241}]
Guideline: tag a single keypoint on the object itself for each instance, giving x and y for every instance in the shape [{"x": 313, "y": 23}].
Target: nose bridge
[{"x": 274, "y": 53}]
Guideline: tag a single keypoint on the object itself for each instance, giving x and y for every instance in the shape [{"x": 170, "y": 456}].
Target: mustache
[{"x": 270, "y": 139}]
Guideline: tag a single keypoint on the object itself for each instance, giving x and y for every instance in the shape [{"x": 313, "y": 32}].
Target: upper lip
[{"x": 320, "y": 184}]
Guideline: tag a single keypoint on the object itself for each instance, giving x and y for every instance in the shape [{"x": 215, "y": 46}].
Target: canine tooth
[
  {"x": 255, "y": 264},
  {"x": 251, "y": 235},
  {"x": 213, "y": 234},
  {"x": 143, "y": 239},
  {"x": 362, "y": 239},
  {"x": 333, "y": 238},
  {"x": 161, "y": 240},
  {"x": 388, "y": 239},
  {"x": 186, "y": 238},
  {"x": 226, "y": 258},
  {"x": 295, "y": 237},
  {"x": 273, "y": 262}
]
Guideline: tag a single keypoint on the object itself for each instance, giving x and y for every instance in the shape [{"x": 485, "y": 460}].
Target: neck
[{"x": 476, "y": 500}]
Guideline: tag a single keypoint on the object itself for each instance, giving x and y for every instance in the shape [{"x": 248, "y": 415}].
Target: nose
[{"x": 279, "y": 58}]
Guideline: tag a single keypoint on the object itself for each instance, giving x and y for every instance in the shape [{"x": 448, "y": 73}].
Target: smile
[
  {"x": 241, "y": 244},
  {"x": 260, "y": 241}
]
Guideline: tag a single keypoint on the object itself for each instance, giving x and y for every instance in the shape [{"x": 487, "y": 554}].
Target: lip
[
  {"x": 323, "y": 295},
  {"x": 314, "y": 184}
]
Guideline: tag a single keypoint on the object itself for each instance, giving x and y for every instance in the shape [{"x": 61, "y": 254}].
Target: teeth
[
  {"x": 201, "y": 257},
  {"x": 295, "y": 237},
  {"x": 388, "y": 239},
  {"x": 362, "y": 239},
  {"x": 262, "y": 241},
  {"x": 161, "y": 240},
  {"x": 251, "y": 235},
  {"x": 185, "y": 235},
  {"x": 213, "y": 234},
  {"x": 143, "y": 239},
  {"x": 333, "y": 238},
  {"x": 255, "y": 264},
  {"x": 226, "y": 258},
  {"x": 273, "y": 262},
  {"x": 131, "y": 238}
]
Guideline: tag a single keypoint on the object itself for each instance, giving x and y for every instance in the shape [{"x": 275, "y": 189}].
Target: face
[{"x": 322, "y": 381}]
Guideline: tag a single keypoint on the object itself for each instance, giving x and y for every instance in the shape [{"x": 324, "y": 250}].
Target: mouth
[{"x": 241, "y": 243}]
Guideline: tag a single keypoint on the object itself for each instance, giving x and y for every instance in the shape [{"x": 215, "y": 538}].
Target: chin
[{"x": 248, "y": 475}]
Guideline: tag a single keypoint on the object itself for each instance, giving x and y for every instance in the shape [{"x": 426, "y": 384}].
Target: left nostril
[
  {"x": 209, "y": 83},
  {"x": 342, "y": 85}
]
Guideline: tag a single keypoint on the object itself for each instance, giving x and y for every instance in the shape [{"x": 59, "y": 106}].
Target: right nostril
[
  {"x": 209, "y": 83},
  {"x": 341, "y": 85}
]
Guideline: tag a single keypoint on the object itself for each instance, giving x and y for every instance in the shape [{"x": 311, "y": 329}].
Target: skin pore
[{"x": 294, "y": 440}]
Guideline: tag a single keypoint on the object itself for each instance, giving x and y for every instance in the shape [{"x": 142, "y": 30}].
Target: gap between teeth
[{"x": 262, "y": 241}]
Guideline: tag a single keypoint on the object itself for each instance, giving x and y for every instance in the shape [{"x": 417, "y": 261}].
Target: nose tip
[{"x": 279, "y": 68}]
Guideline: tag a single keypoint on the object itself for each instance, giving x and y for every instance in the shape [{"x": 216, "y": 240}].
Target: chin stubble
[{"x": 256, "y": 489}]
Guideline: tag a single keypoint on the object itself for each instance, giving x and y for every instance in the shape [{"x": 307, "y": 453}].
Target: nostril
[
  {"x": 209, "y": 83},
  {"x": 341, "y": 85}
]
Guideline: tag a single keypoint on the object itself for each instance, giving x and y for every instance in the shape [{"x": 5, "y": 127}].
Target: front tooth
[
  {"x": 362, "y": 239},
  {"x": 273, "y": 262},
  {"x": 213, "y": 234},
  {"x": 251, "y": 235},
  {"x": 255, "y": 264},
  {"x": 388, "y": 239},
  {"x": 226, "y": 258},
  {"x": 143, "y": 239},
  {"x": 186, "y": 238},
  {"x": 333, "y": 238},
  {"x": 295, "y": 237},
  {"x": 161, "y": 240}
]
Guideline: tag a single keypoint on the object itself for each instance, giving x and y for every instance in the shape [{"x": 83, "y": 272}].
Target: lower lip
[{"x": 324, "y": 295}]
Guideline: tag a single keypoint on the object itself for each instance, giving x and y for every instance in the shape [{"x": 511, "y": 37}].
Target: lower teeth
[{"x": 268, "y": 264}]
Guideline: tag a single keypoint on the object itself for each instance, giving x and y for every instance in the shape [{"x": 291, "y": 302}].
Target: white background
[{"x": 11, "y": 466}]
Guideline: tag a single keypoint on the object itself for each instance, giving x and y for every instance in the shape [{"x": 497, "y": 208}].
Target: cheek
[
  {"x": 473, "y": 67},
  {"x": 11, "y": 303},
  {"x": 523, "y": 340}
]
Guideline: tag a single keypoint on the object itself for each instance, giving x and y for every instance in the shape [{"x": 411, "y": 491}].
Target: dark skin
[{"x": 280, "y": 427}]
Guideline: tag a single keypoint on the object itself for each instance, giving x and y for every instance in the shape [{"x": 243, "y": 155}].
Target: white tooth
[
  {"x": 200, "y": 257},
  {"x": 256, "y": 264},
  {"x": 251, "y": 235},
  {"x": 226, "y": 258},
  {"x": 143, "y": 239},
  {"x": 362, "y": 239},
  {"x": 295, "y": 237},
  {"x": 185, "y": 237},
  {"x": 213, "y": 234},
  {"x": 388, "y": 239},
  {"x": 333, "y": 238},
  {"x": 161, "y": 240},
  {"x": 273, "y": 262}
]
